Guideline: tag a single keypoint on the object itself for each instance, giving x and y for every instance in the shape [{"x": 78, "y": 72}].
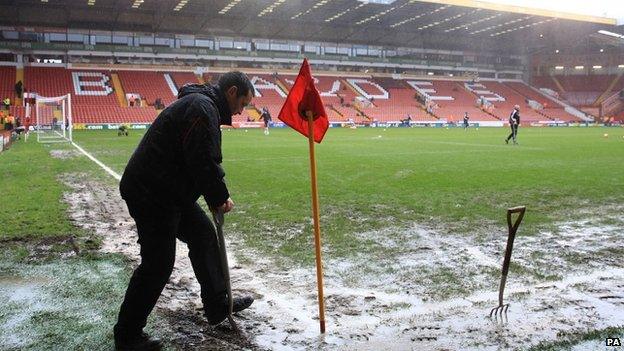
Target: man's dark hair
[{"x": 238, "y": 79}]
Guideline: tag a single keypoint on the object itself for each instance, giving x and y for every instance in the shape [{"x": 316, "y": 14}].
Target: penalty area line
[{"x": 98, "y": 162}]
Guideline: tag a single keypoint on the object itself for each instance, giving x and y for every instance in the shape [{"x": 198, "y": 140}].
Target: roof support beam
[{"x": 525, "y": 10}]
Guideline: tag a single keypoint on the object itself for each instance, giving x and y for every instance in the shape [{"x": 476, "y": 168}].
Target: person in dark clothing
[
  {"x": 158, "y": 104},
  {"x": 514, "y": 122},
  {"x": 407, "y": 121},
  {"x": 466, "y": 119},
  {"x": 19, "y": 89},
  {"x": 177, "y": 161},
  {"x": 266, "y": 118}
]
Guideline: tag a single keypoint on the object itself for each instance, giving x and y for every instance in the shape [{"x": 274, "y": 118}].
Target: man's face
[{"x": 237, "y": 103}]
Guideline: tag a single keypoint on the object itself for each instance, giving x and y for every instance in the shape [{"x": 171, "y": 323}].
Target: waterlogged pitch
[{"x": 413, "y": 226}]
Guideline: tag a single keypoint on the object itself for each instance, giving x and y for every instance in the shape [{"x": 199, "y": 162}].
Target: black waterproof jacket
[{"x": 179, "y": 158}]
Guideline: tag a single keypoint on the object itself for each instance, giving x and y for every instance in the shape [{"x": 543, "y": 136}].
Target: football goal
[{"x": 54, "y": 119}]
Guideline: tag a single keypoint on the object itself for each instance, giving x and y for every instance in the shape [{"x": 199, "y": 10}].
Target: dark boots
[
  {"x": 216, "y": 309},
  {"x": 137, "y": 342}
]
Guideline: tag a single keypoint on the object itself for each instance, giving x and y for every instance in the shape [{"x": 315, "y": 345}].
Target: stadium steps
[
  {"x": 119, "y": 92},
  {"x": 281, "y": 85},
  {"x": 424, "y": 109},
  {"x": 491, "y": 114},
  {"x": 361, "y": 111},
  {"x": 332, "y": 108},
  {"x": 558, "y": 84},
  {"x": 542, "y": 114},
  {"x": 19, "y": 75},
  {"x": 171, "y": 84},
  {"x": 351, "y": 87},
  {"x": 607, "y": 92},
  {"x": 528, "y": 93},
  {"x": 560, "y": 114},
  {"x": 462, "y": 86}
]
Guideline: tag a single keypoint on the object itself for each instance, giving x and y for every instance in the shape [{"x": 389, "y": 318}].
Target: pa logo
[{"x": 613, "y": 342}]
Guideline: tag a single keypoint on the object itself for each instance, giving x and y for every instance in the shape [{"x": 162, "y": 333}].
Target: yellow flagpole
[{"x": 317, "y": 226}]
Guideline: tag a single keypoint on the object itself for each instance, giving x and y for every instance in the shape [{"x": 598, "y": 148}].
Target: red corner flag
[
  {"x": 304, "y": 112},
  {"x": 304, "y": 97}
]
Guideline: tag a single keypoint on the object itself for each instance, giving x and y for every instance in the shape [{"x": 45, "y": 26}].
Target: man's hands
[{"x": 226, "y": 207}]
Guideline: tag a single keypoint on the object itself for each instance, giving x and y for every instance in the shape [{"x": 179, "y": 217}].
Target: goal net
[{"x": 54, "y": 119}]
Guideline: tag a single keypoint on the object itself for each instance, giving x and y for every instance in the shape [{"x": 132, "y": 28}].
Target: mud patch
[
  {"x": 64, "y": 154},
  {"x": 418, "y": 288}
]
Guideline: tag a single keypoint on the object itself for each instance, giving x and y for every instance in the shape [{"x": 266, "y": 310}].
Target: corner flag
[
  {"x": 304, "y": 97},
  {"x": 304, "y": 112}
]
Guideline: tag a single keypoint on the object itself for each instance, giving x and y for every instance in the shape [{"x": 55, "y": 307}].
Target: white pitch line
[{"x": 98, "y": 162}]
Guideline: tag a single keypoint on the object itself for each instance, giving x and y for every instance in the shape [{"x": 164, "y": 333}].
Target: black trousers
[
  {"x": 514, "y": 132},
  {"x": 157, "y": 236}
]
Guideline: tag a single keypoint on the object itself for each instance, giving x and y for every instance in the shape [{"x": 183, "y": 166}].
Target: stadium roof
[{"x": 451, "y": 24}]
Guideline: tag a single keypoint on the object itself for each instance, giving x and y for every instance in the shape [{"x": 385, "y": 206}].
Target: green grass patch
[
  {"x": 32, "y": 205},
  {"x": 590, "y": 340}
]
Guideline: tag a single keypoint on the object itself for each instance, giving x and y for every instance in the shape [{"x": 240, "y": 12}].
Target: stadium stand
[
  {"x": 552, "y": 110},
  {"x": 149, "y": 85},
  {"x": 545, "y": 82},
  {"x": 269, "y": 92},
  {"x": 350, "y": 98},
  {"x": 529, "y": 93},
  {"x": 95, "y": 103},
  {"x": 332, "y": 89},
  {"x": 182, "y": 78},
  {"x": 511, "y": 98},
  {"x": 520, "y": 94},
  {"x": 400, "y": 103},
  {"x": 7, "y": 83},
  {"x": 462, "y": 101},
  {"x": 582, "y": 90},
  {"x": 558, "y": 114},
  {"x": 596, "y": 82}
]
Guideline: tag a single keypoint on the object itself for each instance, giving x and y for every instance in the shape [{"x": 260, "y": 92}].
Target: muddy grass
[
  {"x": 53, "y": 298},
  {"x": 64, "y": 154},
  {"x": 417, "y": 288}
]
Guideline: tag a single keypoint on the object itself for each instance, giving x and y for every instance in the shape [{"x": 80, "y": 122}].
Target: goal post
[{"x": 54, "y": 119}]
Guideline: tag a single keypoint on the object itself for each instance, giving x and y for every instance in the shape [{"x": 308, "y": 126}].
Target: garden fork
[
  {"x": 219, "y": 219},
  {"x": 510, "y": 240}
]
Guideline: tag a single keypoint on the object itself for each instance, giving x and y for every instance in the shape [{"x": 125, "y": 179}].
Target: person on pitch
[{"x": 177, "y": 161}]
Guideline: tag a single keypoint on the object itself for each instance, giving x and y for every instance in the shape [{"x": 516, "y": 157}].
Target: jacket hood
[{"x": 215, "y": 94}]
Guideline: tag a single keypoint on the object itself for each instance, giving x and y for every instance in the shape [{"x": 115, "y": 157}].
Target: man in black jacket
[
  {"x": 514, "y": 123},
  {"x": 177, "y": 161}
]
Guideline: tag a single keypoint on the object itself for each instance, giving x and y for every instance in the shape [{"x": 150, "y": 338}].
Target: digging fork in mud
[
  {"x": 219, "y": 219},
  {"x": 510, "y": 240}
]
